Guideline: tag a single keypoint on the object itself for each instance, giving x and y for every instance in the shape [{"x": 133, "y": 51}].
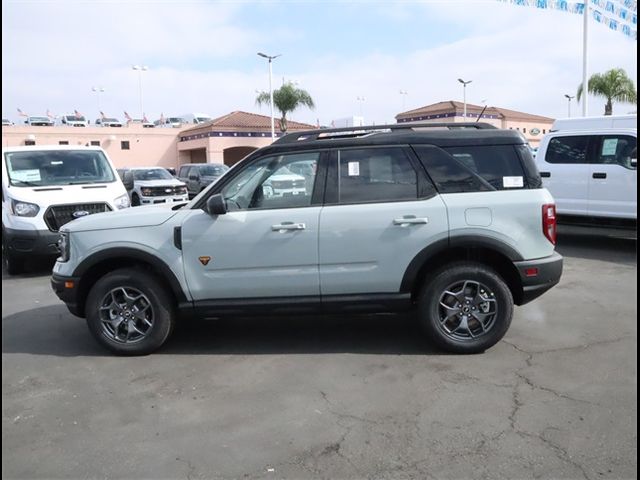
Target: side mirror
[
  {"x": 216, "y": 205},
  {"x": 128, "y": 180},
  {"x": 634, "y": 162}
]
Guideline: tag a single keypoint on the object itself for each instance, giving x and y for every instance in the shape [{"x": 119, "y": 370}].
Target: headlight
[
  {"x": 63, "y": 247},
  {"x": 145, "y": 191},
  {"x": 182, "y": 190},
  {"x": 122, "y": 202},
  {"x": 24, "y": 209}
]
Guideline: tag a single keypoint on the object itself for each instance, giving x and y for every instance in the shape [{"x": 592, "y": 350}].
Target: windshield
[
  {"x": 38, "y": 119},
  {"x": 111, "y": 120},
  {"x": 213, "y": 170},
  {"x": 73, "y": 118},
  {"x": 57, "y": 167},
  {"x": 152, "y": 174},
  {"x": 176, "y": 120},
  {"x": 203, "y": 119}
]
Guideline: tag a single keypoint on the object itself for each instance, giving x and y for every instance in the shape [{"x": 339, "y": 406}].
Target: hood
[
  {"x": 147, "y": 216},
  {"x": 159, "y": 183},
  {"x": 64, "y": 194}
]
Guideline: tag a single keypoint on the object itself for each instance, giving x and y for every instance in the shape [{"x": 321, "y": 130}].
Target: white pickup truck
[{"x": 590, "y": 167}]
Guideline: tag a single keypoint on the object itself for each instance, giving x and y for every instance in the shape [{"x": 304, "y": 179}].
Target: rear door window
[{"x": 616, "y": 150}]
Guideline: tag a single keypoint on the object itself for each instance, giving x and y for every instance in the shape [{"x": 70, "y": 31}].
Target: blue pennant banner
[{"x": 619, "y": 15}]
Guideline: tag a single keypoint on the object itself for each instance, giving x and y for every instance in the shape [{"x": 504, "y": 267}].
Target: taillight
[{"x": 549, "y": 226}]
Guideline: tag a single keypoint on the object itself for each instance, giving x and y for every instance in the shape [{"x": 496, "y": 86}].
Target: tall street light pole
[
  {"x": 585, "y": 66},
  {"x": 569, "y": 97},
  {"x": 140, "y": 69},
  {"x": 270, "y": 58},
  {"x": 404, "y": 94},
  {"x": 464, "y": 95},
  {"x": 98, "y": 91}
]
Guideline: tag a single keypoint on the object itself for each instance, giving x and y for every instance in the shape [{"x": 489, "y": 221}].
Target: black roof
[{"x": 439, "y": 134}]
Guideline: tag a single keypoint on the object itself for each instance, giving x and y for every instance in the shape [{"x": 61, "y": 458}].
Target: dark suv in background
[{"x": 198, "y": 176}]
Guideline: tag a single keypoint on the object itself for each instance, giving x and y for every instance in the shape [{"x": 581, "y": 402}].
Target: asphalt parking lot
[{"x": 348, "y": 397}]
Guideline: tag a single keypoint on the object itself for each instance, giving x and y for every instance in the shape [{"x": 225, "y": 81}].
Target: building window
[
  {"x": 95, "y": 143},
  {"x": 63, "y": 142},
  {"x": 29, "y": 142},
  {"x": 124, "y": 145},
  {"x": 524, "y": 130},
  {"x": 544, "y": 130}
]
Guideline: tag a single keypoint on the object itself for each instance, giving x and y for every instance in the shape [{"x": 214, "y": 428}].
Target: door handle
[
  {"x": 284, "y": 226},
  {"x": 545, "y": 174},
  {"x": 410, "y": 220},
  {"x": 599, "y": 175}
]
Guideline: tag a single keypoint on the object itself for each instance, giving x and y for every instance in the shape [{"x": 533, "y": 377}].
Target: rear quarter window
[{"x": 499, "y": 165}]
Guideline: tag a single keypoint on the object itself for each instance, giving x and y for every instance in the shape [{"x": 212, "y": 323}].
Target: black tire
[
  {"x": 153, "y": 292},
  {"x": 135, "y": 200},
  {"x": 439, "y": 319}
]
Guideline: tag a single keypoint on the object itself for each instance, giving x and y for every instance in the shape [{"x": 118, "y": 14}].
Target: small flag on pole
[
  {"x": 126, "y": 115},
  {"x": 50, "y": 115},
  {"x": 102, "y": 115},
  {"x": 22, "y": 114},
  {"x": 77, "y": 114}
]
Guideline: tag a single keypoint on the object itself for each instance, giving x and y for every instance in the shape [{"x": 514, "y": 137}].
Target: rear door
[
  {"x": 564, "y": 168},
  {"x": 380, "y": 212},
  {"x": 613, "y": 178}
]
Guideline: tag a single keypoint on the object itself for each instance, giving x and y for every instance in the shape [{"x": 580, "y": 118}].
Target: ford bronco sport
[{"x": 448, "y": 220}]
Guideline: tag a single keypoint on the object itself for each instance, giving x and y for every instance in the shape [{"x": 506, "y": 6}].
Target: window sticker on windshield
[
  {"x": 609, "y": 146},
  {"x": 512, "y": 182},
  {"x": 354, "y": 169},
  {"x": 26, "y": 175}
]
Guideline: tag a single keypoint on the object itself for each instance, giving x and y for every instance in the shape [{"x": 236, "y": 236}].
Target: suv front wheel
[
  {"x": 466, "y": 307},
  {"x": 130, "y": 312}
]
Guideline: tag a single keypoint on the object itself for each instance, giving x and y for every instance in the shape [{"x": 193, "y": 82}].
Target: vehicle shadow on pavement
[
  {"x": 591, "y": 246},
  {"x": 54, "y": 331},
  {"x": 34, "y": 267}
]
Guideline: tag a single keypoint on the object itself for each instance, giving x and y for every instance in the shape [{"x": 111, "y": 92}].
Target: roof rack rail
[{"x": 354, "y": 132}]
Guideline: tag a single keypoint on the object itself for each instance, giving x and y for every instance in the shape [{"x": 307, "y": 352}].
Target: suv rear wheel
[
  {"x": 466, "y": 307},
  {"x": 130, "y": 312}
]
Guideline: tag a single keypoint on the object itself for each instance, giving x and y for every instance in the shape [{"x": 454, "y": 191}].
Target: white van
[
  {"x": 44, "y": 187},
  {"x": 590, "y": 167},
  {"x": 73, "y": 120},
  {"x": 197, "y": 118}
]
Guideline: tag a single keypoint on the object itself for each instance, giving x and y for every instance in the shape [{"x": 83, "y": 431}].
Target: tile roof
[
  {"x": 239, "y": 120},
  {"x": 458, "y": 107}
]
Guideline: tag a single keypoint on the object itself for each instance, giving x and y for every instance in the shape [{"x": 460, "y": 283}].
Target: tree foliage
[
  {"x": 286, "y": 99},
  {"x": 614, "y": 85}
]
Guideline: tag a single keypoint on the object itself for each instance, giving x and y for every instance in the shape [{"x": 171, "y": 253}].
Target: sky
[{"x": 202, "y": 56}]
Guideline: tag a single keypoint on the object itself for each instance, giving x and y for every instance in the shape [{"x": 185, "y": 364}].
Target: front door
[{"x": 266, "y": 245}]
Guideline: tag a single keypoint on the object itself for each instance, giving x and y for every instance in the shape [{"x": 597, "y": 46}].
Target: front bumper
[
  {"x": 167, "y": 199},
  {"x": 66, "y": 288},
  {"x": 538, "y": 276},
  {"x": 31, "y": 242}
]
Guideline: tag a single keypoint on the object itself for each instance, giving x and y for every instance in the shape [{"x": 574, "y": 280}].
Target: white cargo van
[
  {"x": 45, "y": 187},
  {"x": 197, "y": 118},
  {"x": 590, "y": 167}
]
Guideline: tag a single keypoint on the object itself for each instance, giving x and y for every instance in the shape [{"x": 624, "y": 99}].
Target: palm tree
[
  {"x": 286, "y": 99},
  {"x": 614, "y": 84}
]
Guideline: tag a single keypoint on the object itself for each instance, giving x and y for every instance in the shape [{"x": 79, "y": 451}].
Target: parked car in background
[
  {"x": 198, "y": 176},
  {"x": 43, "y": 188},
  {"x": 139, "y": 121},
  {"x": 153, "y": 185},
  {"x": 108, "y": 122},
  {"x": 171, "y": 122},
  {"x": 6, "y": 122},
  {"x": 589, "y": 165},
  {"x": 74, "y": 120},
  {"x": 196, "y": 118},
  {"x": 39, "y": 121}
]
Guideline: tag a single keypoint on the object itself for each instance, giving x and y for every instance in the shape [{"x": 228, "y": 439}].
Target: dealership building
[{"x": 229, "y": 138}]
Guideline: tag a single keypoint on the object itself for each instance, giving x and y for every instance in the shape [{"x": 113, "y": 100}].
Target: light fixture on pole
[
  {"x": 270, "y": 58},
  {"x": 464, "y": 95},
  {"x": 140, "y": 69},
  {"x": 404, "y": 94},
  {"x": 569, "y": 97},
  {"x": 361, "y": 100},
  {"x": 98, "y": 91}
]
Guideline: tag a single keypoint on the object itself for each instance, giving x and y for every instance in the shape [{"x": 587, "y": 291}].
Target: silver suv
[
  {"x": 198, "y": 176},
  {"x": 449, "y": 221}
]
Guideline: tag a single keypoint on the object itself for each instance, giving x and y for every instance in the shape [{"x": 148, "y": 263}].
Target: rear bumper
[
  {"x": 66, "y": 288},
  {"x": 538, "y": 276}
]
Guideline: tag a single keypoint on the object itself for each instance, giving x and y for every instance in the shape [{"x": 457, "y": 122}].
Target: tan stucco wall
[{"x": 147, "y": 146}]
